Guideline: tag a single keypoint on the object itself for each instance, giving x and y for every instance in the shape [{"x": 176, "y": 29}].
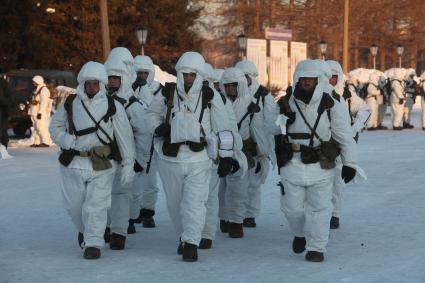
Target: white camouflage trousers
[
  {"x": 87, "y": 197},
  {"x": 186, "y": 187},
  {"x": 308, "y": 208}
]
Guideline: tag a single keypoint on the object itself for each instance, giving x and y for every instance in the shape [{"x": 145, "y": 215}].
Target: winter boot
[
  {"x": 147, "y": 216},
  {"x": 407, "y": 126},
  {"x": 80, "y": 239},
  {"x": 372, "y": 128},
  {"x": 314, "y": 256},
  {"x": 131, "y": 228},
  {"x": 235, "y": 230},
  {"x": 334, "y": 224},
  {"x": 381, "y": 127},
  {"x": 43, "y": 145},
  {"x": 205, "y": 244},
  {"x": 397, "y": 128},
  {"x": 91, "y": 253},
  {"x": 117, "y": 242},
  {"x": 249, "y": 222},
  {"x": 298, "y": 245},
  {"x": 190, "y": 252},
  {"x": 224, "y": 226},
  {"x": 107, "y": 234}
]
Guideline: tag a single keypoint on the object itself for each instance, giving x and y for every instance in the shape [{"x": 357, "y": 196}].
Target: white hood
[
  {"x": 190, "y": 62},
  {"x": 337, "y": 70},
  {"x": 145, "y": 64},
  {"x": 92, "y": 71},
  {"x": 210, "y": 75},
  {"x": 249, "y": 68},
  {"x": 121, "y": 61},
  {"x": 313, "y": 69}
]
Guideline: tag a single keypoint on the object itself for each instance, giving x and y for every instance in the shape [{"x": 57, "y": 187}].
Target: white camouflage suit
[
  {"x": 186, "y": 177},
  {"x": 233, "y": 192},
  {"x": 398, "y": 96},
  {"x": 41, "y": 105},
  {"x": 358, "y": 115},
  {"x": 306, "y": 201},
  {"x": 120, "y": 63},
  {"x": 268, "y": 113},
  {"x": 374, "y": 98},
  {"x": 422, "y": 85},
  {"x": 86, "y": 192},
  {"x": 145, "y": 191},
  {"x": 410, "y": 81},
  {"x": 210, "y": 227}
]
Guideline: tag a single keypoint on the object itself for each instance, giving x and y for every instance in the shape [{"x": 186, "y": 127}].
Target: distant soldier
[{"x": 41, "y": 106}]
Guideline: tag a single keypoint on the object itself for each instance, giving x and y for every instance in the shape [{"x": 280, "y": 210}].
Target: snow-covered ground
[{"x": 381, "y": 238}]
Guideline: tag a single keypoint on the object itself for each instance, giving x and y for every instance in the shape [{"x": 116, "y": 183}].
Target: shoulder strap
[
  {"x": 68, "y": 108},
  {"x": 158, "y": 90},
  {"x": 132, "y": 100},
  {"x": 119, "y": 99},
  {"x": 97, "y": 123},
  {"x": 336, "y": 96}
]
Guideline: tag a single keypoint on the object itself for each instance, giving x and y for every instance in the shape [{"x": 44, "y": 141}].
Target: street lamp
[
  {"x": 374, "y": 50},
  {"x": 142, "y": 34},
  {"x": 242, "y": 41},
  {"x": 323, "y": 46},
  {"x": 400, "y": 50}
]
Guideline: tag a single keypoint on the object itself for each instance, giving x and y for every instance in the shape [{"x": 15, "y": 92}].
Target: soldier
[
  {"x": 258, "y": 175},
  {"x": 95, "y": 138},
  {"x": 398, "y": 97},
  {"x": 317, "y": 127},
  {"x": 411, "y": 82},
  {"x": 358, "y": 115},
  {"x": 374, "y": 99},
  {"x": 183, "y": 116},
  {"x": 145, "y": 191},
  {"x": 40, "y": 113},
  {"x": 210, "y": 228}
]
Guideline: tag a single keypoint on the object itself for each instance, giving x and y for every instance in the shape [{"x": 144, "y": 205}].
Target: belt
[{"x": 299, "y": 147}]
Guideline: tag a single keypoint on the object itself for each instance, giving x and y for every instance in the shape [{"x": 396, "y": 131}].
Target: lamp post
[
  {"x": 323, "y": 45},
  {"x": 142, "y": 35},
  {"x": 374, "y": 50},
  {"x": 400, "y": 50},
  {"x": 242, "y": 41}
]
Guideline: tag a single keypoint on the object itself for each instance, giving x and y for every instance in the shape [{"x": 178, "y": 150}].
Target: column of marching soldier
[{"x": 212, "y": 137}]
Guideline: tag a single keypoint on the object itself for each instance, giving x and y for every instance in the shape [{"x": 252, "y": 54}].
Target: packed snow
[{"x": 381, "y": 238}]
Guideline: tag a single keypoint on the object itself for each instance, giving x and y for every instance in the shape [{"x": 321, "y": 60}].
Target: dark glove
[
  {"x": 258, "y": 169},
  {"x": 138, "y": 82},
  {"x": 168, "y": 87},
  {"x": 400, "y": 101},
  {"x": 348, "y": 173},
  {"x": 38, "y": 116},
  {"x": 235, "y": 167},
  {"x": 163, "y": 130},
  {"x": 253, "y": 108},
  {"x": 224, "y": 166},
  {"x": 137, "y": 167},
  {"x": 206, "y": 90}
]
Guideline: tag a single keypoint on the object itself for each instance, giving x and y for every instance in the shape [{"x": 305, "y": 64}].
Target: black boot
[
  {"x": 131, "y": 228},
  {"x": 235, "y": 230},
  {"x": 314, "y": 256},
  {"x": 334, "y": 224},
  {"x": 407, "y": 126},
  {"x": 117, "y": 242},
  {"x": 190, "y": 252},
  {"x": 91, "y": 253},
  {"x": 249, "y": 222},
  {"x": 298, "y": 245},
  {"x": 397, "y": 128},
  {"x": 205, "y": 244},
  {"x": 224, "y": 226},
  {"x": 147, "y": 216},
  {"x": 80, "y": 239},
  {"x": 107, "y": 235}
]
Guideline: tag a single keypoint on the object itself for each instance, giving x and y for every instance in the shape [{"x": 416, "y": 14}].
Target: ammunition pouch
[
  {"x": 172, "y": 149},
  {"x": 99, "y": 156},
  {"x": 309, "y": 155},
  {"x": 328, "y": 152},
  {"x": 283, "y": 150},
  {"x": 115, "y": 152},
  {"x": 250, "y": 150}
]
